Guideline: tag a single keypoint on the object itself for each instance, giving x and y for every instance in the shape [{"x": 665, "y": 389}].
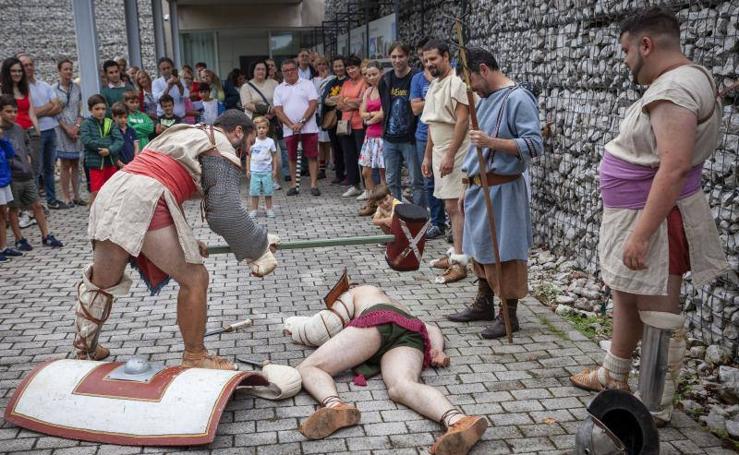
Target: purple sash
[{"x": 624, "y": 185}]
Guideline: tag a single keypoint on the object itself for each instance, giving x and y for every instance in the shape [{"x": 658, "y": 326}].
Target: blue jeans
[
  {"x": 45, "y": 162},
  {"x": 435, "y": 205},
  {"x": 394, "y": 154}
]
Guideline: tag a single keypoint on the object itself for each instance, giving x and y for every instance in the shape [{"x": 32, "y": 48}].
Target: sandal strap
[
  {"x": 448, "y": 414},
  {"x": 330, "y": 399}
]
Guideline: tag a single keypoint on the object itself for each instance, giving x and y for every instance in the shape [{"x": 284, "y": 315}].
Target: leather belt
[{"x": 493, "y": 179}]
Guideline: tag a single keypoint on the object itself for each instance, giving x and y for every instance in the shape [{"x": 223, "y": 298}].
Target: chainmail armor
[{"x": 224, "y": 212}]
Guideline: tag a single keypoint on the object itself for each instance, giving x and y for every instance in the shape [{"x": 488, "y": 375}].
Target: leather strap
[{"x": 493, "y": 179}]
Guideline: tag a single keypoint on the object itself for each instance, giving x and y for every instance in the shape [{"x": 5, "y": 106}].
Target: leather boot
[
  {"x": 482, "y": 309},
  {"x": 497, "y": 330}
]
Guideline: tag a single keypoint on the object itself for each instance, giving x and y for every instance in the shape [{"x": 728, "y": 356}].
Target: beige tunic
[
  {"x": 124, "y": 207},
  {"x": 439, "y": 113},
  {"x": 687, "y": 86}
]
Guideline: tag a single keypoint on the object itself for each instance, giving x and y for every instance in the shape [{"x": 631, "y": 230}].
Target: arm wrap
[{"x": 224, "y": 212}]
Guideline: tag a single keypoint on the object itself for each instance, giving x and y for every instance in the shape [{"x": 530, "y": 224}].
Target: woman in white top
[{"x": 324, "y": 141}]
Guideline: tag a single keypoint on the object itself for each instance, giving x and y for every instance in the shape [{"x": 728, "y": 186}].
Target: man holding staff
[{"x": 509, "y": 135}]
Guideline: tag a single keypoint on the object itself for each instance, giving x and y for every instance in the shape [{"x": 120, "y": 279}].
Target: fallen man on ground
[{"x": 371, "y": 333}]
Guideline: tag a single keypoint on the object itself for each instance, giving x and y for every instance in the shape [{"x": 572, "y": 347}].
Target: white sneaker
[
  {"x": 252, "y": 214},
  {"x": 270, "y": 213},
  {"x": 351, "y": 192},
  {"x": 25, "y": 221},
  {"x": 363, "y": 196},
  {"x": 276, "y": 185}
]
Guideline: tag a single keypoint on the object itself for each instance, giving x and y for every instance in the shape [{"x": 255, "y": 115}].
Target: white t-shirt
[
  {"x": 210, "y": 111},
  {"x": 159, "y": 88},
  {"x": 261, "y": 155},
  {"x": 294, "y": 100}
]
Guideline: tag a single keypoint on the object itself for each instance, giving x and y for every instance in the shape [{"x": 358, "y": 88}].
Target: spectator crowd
[{"x": 351, "y": 121}]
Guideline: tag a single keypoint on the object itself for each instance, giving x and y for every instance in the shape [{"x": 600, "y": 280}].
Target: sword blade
[
  {"x": 252, "y": 362},
  {"x": 229, "y": 328}
]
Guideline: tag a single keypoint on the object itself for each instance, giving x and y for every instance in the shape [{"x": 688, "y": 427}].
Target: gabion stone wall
[
  {"x": 45, "y": 29},
  {"x": 570, "y": 49}
]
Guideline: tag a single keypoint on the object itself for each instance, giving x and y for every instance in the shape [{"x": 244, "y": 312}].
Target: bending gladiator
[
  {"x": 371, "y": 333},
  {"x": 137, "y": 217}
]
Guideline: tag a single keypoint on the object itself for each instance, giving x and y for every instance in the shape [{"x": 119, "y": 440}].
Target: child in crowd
[
  {"x": 130, "y": 144},
  {"x": 140, "y": 122},
  {"x": 261, "y": 167},
  {"x": 212, "y": 108},
  {"x": 370, "y": 157},
  {"x": 102, "y": 141},
  {"x": 22, "y": 185},
  {"x": 168, "y": 118},
  {"x": 6, "y": 195},
  {"x": 385, "y": 202}
]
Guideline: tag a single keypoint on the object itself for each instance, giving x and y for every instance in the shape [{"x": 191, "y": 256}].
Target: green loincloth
[{"x": 392, "y": 336}]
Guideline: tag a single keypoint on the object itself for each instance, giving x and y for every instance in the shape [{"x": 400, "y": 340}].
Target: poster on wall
[
  {"x": 382, "y": 33},
  {"x": 341, "y": 44},
  {"x": 358, "y": 41}
]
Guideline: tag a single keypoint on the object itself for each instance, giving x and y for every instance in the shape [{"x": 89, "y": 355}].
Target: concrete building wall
[
  {"x": 45, "y": 29},
  {"x": 570, "y": 48}
]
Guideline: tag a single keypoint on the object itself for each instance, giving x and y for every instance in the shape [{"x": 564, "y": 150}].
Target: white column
[
  {"x": 87, "y": 48},
  {"x": 174, "y": 23},
  {"x": 132, "y": 33},
  {"x": 158, "y": 18}
]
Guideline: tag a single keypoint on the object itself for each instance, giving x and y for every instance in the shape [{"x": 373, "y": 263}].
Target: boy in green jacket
[
  {"x": 102, "y": 143},
  {"x": 141, "y": 123}
]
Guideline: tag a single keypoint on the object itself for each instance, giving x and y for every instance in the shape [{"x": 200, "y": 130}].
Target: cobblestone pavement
[{"x": 522, "y": 387}]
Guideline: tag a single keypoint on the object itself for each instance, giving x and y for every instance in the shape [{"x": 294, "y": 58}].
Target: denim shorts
[{"x": 260, "y": 184}]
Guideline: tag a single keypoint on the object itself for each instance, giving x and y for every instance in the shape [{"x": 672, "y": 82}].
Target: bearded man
[
  {"x": 657, "y": 224},
  {"x": 137, "y": 217}
]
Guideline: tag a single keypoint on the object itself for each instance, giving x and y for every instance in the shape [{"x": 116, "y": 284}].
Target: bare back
[{"x": 367, "y": 296}]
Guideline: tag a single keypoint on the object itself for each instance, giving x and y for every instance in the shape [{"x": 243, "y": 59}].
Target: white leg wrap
[
  {"x": 461, "y": 259},
  {"x": 616, "y": 367},
  {"x": 93, "y": 308}
]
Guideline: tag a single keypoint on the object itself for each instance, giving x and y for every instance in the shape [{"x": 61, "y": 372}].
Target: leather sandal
[
  {"x": 588, "y": 380},
  {"x": 327, "y": 421},
  {"x": 205, "y": 359},
  {"x": 99, "y": 354},
  {"x": 441, "y": 263},
  {"x": 454, "y": 273},
  {"x": 460, "y": 437}
]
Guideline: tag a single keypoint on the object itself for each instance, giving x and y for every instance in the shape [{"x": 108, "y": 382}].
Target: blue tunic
[{"x": 520, "y": 122}]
